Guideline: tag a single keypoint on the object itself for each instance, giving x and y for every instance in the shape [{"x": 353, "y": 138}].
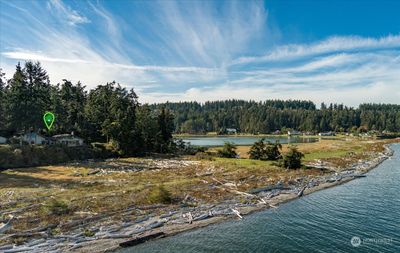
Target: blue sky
[{"x": 333, "y": 51}]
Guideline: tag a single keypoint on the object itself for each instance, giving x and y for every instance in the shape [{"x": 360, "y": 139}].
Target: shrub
[
  {"x": 265, "y": 150},
  {"x": 160, "y": 195},
  {"x": 184, "y": 148},
  {"x": 272, "y": 151},
  {"x": 88, "y": 233},
  {"x": 292, "y": 159},
  {"x": 228, "y": 150},
  {"x": 257, "y": 150},
  {"x": 204, "y": 156},
  {"x": 57, "y": 207}
]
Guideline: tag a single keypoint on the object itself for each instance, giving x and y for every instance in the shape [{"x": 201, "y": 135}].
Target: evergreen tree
[
  {"x": 228, "y": 150},
  {"x": 166, "y": 127},
  {"x": 257, "y": 150},
  {"x": 110, "y": 110},
  {"x": 38, "y": 99},
  {"x": 272, "y": 151},
  {"x": 3, "y": 98},
  {"x": 292, "y": 159},
  {"x": 146, "y": 129},
  {"x": 17, "y": 101},
  {"x": 265, "y": 150},
  {"x": 72, "y": 104}
]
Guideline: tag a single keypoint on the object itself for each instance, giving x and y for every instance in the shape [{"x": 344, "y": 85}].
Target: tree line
[
  {"x": 112, "y": 114},
  {"x": 108, "y": 113},
  {"x": 271, "y": 115}
]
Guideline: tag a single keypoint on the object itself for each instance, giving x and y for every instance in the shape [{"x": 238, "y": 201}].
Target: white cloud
[
  {"x": 38, "y": 57},
  {"x": 95, "y": 70},
  {"x": 352, "y": 96},
  {"x": 191, "y": 55},
  {"x": 199, "y": 34},
  {"x": 349, "y": 78},
  {"x": 330, "y": 45},
  {"x": 72, "y": 16}
]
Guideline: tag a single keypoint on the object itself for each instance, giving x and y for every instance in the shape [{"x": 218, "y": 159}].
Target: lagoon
[{"x": 244, "y": 140}]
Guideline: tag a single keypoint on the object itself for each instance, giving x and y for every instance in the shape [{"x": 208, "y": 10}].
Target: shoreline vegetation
[{"x": 98, "y": 206}]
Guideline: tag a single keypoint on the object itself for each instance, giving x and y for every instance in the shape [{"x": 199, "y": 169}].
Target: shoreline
[
  {"x": 171, "y": 230},
  {"x": 172, "y": 220},
  {"x": 182, "y": 136}
]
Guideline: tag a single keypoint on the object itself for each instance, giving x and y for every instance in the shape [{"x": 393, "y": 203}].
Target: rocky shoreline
[{"x": 107, "y": 235}]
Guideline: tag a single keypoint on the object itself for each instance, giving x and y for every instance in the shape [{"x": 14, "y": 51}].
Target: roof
[
  {"x": 59, "y": 136},
  {"x": 33, "y": 134}
]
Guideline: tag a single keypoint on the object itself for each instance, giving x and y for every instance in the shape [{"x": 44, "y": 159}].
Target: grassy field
[
  {"x": 58, "y": 194},
  {"x": 340, "y": 151}
]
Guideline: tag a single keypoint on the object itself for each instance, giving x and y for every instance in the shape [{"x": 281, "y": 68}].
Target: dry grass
[
  {"x": 340, "y": 152},
  {"x": 83, "y": 192}
]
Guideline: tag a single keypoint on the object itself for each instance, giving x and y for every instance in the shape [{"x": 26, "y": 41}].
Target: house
[
  {"x": 231, "y": 131},
  {"x": 69, "y": 140},
  {"x": 277, "y": 132},
  {"x": 293, "y": 132},
  {"x": 330, "y": 133},
  {"x": 34, "y": 138},
  {"x": 3, "y": 140}
]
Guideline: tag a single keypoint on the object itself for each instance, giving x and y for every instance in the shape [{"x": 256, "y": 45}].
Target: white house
[
  {"x": 327, "y": 134},
  {"x": 3, "y": 140},
  {"x": 69, "y": 140},
  {"x": 277, "y": 132},
  {"x": 231, "y": 131},
  {"x": 293, "y": 132},
  {"x": 34, "y": 138}
]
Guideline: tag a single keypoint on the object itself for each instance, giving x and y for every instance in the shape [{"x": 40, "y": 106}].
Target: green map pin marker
[{"x": 48, "y": 119}]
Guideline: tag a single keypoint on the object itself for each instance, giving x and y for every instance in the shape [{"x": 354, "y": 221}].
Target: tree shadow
[{"x": 15, "y": 180}]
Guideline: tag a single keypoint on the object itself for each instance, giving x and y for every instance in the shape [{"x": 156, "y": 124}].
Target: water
[
  {"x": 220, "y": 140},
  {"x": 325, "y": 221}
]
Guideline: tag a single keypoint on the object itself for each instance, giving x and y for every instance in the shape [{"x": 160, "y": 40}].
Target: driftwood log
[{"x": 142, "y": 239}]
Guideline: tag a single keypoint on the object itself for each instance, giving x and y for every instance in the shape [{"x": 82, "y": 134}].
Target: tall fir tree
[
  {"x": 17, "y": 105},
  {"x": 3, "y": 83}
]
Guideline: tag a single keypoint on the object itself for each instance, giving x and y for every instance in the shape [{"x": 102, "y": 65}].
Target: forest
[
  {"x": 108, "y": 113},
  {"x": 271, "y": 115}
]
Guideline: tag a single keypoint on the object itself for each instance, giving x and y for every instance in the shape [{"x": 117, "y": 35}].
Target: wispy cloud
[
  {"x": 199, "y": 50},
  {"x": 330, "y": 45},
  {"x": 63, "y": 11},
  {"x": 38, "y": 56},
  {"x": 376, "y": 92}
]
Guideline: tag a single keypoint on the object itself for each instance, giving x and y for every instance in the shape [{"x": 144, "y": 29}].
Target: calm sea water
[
  {"x": 366, "y": 208},
  {"x": 220, "y": 140}
]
